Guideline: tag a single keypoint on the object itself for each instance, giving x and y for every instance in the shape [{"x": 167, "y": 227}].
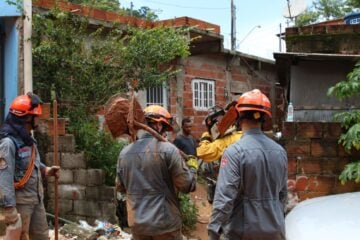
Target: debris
[{"x": 83, "y": 231}]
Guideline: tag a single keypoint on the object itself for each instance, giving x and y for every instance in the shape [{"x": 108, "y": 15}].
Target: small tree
[
  {"x": 350, "y": 121},
  {"x": 321, "y": 10}
]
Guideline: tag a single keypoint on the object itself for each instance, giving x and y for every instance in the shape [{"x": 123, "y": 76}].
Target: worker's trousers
[{"x": 34, "y": 224}]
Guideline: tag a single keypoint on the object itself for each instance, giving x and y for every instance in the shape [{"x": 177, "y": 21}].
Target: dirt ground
[{"x": 200, "y": 199}]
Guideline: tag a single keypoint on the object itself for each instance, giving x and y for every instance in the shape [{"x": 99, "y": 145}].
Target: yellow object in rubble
[
  {"x": 212, "y": 151},
  {"x": 192, "y": 162}
]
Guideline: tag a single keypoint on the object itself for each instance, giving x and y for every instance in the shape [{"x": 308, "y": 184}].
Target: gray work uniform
[
  {"x": 29, "y": 199},
  {"x": 151, "y": 173},
  {"x": 251, "y": 190}
]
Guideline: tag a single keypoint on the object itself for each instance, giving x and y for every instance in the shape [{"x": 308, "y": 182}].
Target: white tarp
[{"x": 330, "y": 217}]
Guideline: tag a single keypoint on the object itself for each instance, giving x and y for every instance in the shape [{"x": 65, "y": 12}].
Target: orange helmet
[
  {"x": 159, "y": 114},
  {"x": 26, "y": 104},
  {"x": 254, "y": 100}
]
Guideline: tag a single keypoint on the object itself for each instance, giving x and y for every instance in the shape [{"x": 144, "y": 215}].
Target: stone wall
[
  {"x": 81, "y": 190},
  {"x": 316, "y": 159},
  {"x": 343, "y": 39}
]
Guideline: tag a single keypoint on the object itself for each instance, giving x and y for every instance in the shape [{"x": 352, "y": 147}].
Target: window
[
  {"x": 203, "y": 94},
  {"x": 156, "y": 96}
]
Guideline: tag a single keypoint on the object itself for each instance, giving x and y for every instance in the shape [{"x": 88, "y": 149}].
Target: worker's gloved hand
[
  {"x": 192, "y": 163},
  {"x": 206, "y": 137},
  {"x": 53, "y": 171},
  {"x": 11, "y": 215}
]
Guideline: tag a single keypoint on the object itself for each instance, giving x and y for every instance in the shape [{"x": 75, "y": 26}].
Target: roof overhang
[
  {"x": 315, "y": 56},
  {"x": 205, "y": 41}
]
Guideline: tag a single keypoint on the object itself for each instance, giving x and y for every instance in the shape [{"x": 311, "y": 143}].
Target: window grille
[{"x": 156, "y": 96}]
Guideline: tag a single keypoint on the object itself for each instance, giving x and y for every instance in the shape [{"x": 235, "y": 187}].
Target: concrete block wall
[
  {"x": 82, "y": 193},
  {"x": 316, "y": 159}
]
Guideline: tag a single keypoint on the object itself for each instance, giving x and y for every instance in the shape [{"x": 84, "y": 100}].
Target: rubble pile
[{"x": 83, "y": 231}]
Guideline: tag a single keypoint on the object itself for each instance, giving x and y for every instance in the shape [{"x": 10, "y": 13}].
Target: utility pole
[
  {"x": 131, "y": 8},
  {"x": 280, "y": 38},
  {"x": 233, "y": 26}
]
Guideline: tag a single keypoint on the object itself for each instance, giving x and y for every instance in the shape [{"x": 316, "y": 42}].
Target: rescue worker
[
  {"x": 21, "y": 171},
  {"x": 151, "y": 173},
  {"x": 251, "y": 189},
  {"x": 210, "y": 151},
  {"x": 185, "y": 141}
]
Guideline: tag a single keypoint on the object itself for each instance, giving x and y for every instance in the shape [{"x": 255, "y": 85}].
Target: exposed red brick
[
  {"x": 187, "y": 95},
  {"x": 188, "y": 111},
  {"x": 292, "y": 165},
  {"x": 61, "y": 127},
  {"x": 321, "y": 148},
  {"x": 342, "y": 151},
  {"x": 188, "y": 103},
  {"x": 309, "y": 130},
  {"x": 341, "y": 164},
  {"x": 45, "y": 111},
  {"x": 355, "y": 153},
  {"x": 332, "y": 130},
  {"x": 330, "y": 166},
  {"x": 343, "y": 188},
  {"x": 321, "y": 184},
  {"x": 310, "y": 166},
  {"x": 301, "y": 183},
  {"x": 288, "y": 130},
  {"x": 308, "y": 195},
  {"x": 298, "y": 147}
]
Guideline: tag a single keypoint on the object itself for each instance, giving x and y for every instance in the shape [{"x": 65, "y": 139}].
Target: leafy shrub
[
  {"x": 100, "y": 149},
  {"x": 350, "y": 121},
  {"x": 189, "y": 211}
]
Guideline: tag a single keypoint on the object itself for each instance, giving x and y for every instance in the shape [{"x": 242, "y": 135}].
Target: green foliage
[
  {"x": 114, "y": 6},
  {"x": 349, "y": 87},
  {"x": 143, "y": 12},
  {"x": 99, "y": 147},
  {"x": 62, "y": 58},
  {"x": 86, "y": 67},
  {"x": 106, "y": 5},
  {"x": 326, "y": 10},
  {"x": 353, "y": 3},
  {"x": 151, "y": 50},
  {"x": 330, "y": 9},
  {"x": 189, "y": 211},
  {"x": 306, "y": 18},
  {"x": 350, "y": 121},
  {"x": 351, "y": 172}
]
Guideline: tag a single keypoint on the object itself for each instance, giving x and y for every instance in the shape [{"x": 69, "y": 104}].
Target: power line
[{"x": 180, "y": 6}]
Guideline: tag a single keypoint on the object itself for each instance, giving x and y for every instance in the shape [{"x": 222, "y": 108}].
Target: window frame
[{"x": 204, "y": 99}]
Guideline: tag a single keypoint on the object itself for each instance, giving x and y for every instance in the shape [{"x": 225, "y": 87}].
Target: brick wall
[
  {"x": 316, "y": 159},
  {"x": 212, "y": 67}
]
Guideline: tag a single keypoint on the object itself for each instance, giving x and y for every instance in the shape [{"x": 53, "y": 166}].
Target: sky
[{"x": 257, "y": 21}]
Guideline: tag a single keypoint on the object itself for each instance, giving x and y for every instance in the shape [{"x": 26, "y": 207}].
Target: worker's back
[{"x": 152, "y": 172}]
